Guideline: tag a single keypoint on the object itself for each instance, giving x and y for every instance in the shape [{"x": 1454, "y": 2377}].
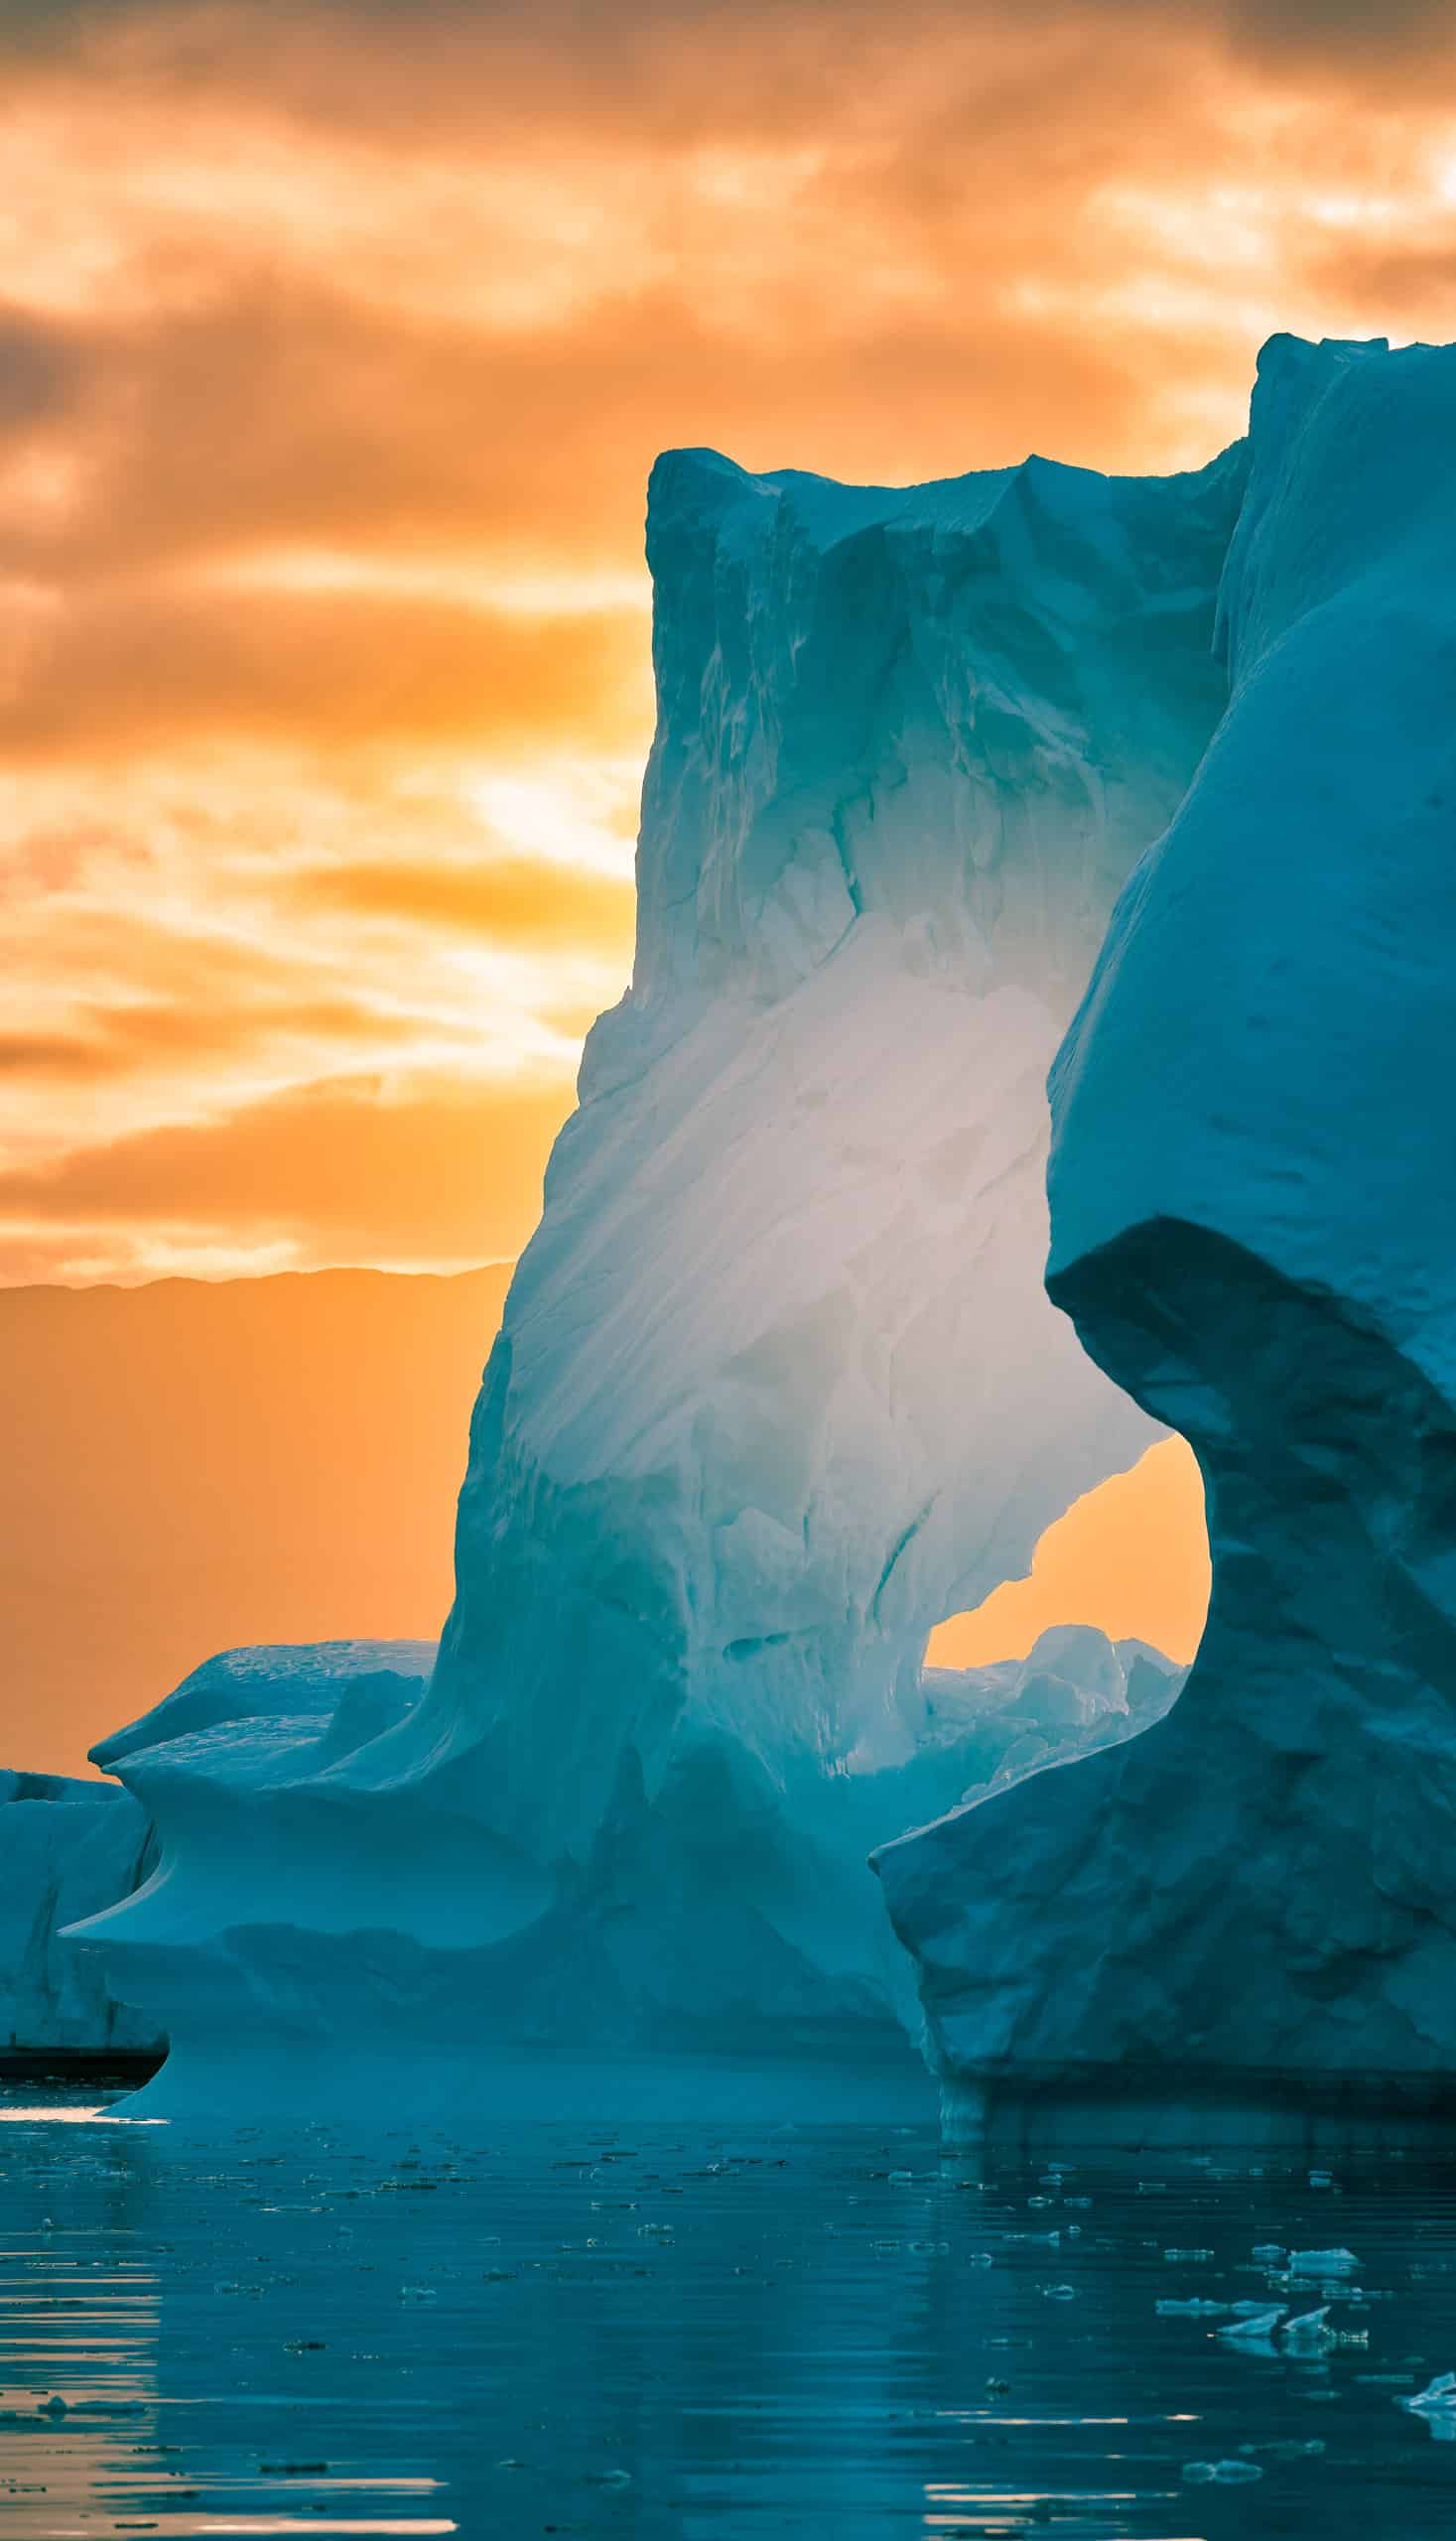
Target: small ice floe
[
  {"x": 1270, "y": 2253},
  {"x": 1196, "y": 2305},
  {"x": 1436, "y": 2404},
  {"x": 1187, "y": 2258},
  {"x": 1308, "y": 2334},
  {"x": 1287, "y": 2448},
  {"x": 1228, "y": 2474},
  {"x": 1254, "y": 2327},
  {"x": 1322, "y": 2262}
]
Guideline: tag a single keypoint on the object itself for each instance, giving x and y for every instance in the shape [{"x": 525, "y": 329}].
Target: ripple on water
[{"x": 680, "y": 2336}]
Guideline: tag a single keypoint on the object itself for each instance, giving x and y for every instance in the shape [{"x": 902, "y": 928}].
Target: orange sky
[
  {"x": 191, "y": 1464},
  {"x": 336, "y": 346}
]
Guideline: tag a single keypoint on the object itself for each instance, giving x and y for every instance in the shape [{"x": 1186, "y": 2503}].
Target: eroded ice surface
[
  {"x": 778, "y": 1387},
  {"x": 253, "y": 1752},
  {"x": 1254, "y": 1190}
]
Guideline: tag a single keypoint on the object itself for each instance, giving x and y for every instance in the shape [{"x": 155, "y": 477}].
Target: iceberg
[
  {"x": 778, "y": 1387},
  {"x": 1251, "y": 1187},
  {"x": 778, "y": 1382},
  {"x": 71, "y": 1849}
]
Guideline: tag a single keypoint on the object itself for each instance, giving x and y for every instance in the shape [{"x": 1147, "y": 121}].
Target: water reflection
[{"x": 658, "y": 2333}]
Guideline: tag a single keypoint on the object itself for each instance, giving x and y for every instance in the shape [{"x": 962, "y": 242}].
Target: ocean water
[{"x": 689, "y": 2335}]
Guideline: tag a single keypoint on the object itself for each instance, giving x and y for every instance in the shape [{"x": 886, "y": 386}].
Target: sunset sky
[{"x": 336, "y": 345}]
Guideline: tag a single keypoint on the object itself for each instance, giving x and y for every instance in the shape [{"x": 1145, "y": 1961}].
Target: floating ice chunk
[
  {"x": 1309, "y": 2333},
  {"x": 1257, "y": 2325},
  {"x": 1439, "y": 2400},
  {"x": 1287, "y": 2448},
  {"x": 1321, "y": 2262},
  {"x": 1170, "y": 2308},
  {"x": 1227, "y": 2473}
]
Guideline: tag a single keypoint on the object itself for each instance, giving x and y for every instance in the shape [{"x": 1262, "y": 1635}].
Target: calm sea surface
[{"x": 624, "y": 2332}]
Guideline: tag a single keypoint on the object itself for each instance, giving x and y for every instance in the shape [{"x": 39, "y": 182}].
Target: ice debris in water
[
  {"x": 1321, "y": 2262},
  {"x": 1228, "y": 2474},
  {"x": 1309, "y": 2331}
]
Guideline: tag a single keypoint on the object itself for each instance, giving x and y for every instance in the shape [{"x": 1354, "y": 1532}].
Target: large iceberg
[
  {"x": 778, "y": 1386},
  {"x": 1252, "y": 1194}
]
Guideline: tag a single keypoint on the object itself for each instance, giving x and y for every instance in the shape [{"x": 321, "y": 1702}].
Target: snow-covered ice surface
[
  {"x": 1252, "y": 1204},
  {"x": 778, "y": 1386},
  {"x": 679, "y": 2334},
  {"x": 67, "y": 1849}
]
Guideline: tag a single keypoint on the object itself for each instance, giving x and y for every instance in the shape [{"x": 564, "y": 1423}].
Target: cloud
[
  {"x": 40, "y": 371},
  {"x": 545, "y": 909},
  {"x": 1413, "y": 282},
  {"x": 130, "y": 666},
  {"x": 434, "y": 1171},
  {"x": 122, "y": 1039},
  {"x": 337, "y": 344},
  {"x": 343, "y": 62},
  {"x": 48, "y": 1054}
]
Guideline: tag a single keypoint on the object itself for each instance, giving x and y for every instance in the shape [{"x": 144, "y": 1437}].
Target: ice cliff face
[
  {"x": 69, "y": 1849},
  {"x": 1252, "y": 1194},
  {"x": 778, "y": 1386}
]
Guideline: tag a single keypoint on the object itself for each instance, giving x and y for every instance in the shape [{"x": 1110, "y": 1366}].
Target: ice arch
[
  {"x": 777, "y": 1384},
  {"x": 1130, "y": 1556}
]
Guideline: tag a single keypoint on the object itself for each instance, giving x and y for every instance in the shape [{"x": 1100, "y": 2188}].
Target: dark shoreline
[{"x": 130, "y": 2064}]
